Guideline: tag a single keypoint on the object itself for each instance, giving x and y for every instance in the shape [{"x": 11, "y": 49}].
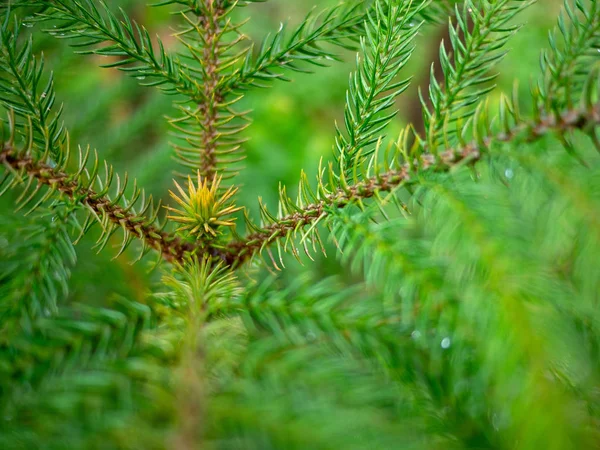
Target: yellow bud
[{"x": 202, "y": 208}]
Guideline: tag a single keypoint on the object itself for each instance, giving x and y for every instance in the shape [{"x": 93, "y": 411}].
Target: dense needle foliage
[{"x": 464, "y": 314}]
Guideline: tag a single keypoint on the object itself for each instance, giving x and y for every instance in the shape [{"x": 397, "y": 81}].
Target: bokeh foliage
[{"x": 462, "y": 314}]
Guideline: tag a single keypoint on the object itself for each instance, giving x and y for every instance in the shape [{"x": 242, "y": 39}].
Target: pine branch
[
  {"x": 83, "y": 333},
  {"x": 289, "y": 396},
  {"x": 209, "y": 28},
  {"x": 308, "y": 216},
  {"x": 467, "y": 78},
  {"x": 339, "y": 26},
  {"x": 198, "y": 284},
  {"x": 35, "y": 267},
  {"x": 106, "y": 210},
  {"x": 565, "y": 66},
  {"x": 103, "y": 362},
  {"x": 208, "y": 132},
  {"x": 288, "y": 326},
  {"x": 323, "y": 311},
  {"x": 22, "y": 90},
  {"x": 96, "y": 26},
  {"x": 127, "y": 360},
  {"x": 374, "y": 87},
  {"x": 215, "y": 116},
  {"x": 199, "y": 127},
  {"x": 43, "y": 161},
  {"x": 448, "y": 290},
  {"x": 476, "y": 325}
]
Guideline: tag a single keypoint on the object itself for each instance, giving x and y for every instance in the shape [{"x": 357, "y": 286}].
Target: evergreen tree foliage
[{"x": 470, "y": 321}]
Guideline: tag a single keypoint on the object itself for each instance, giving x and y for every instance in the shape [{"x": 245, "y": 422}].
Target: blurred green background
[{"x": 293, "y": 123}]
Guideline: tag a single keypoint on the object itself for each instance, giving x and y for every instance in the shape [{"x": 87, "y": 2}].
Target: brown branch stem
[
  {"x": 171, "y": 247},
  {"x": 174, "y": 249},
  {"x": 239, "y": 251},
  {"x": 212, "y": 96}
]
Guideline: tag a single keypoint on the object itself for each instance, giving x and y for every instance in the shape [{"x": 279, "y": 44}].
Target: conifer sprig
[
  {"x": 565, "y": 66},
  {"x": 357, "y": 325},
  {"x": 387, "y": 46},
  {"x": 327, "y": 198},
  {"x": 40, "y": 165},
  {"x": 35, "y": 267},
  {"x": 204, "y": 37},
  {"x": 498, "y": 237},
  {"x": 113, "y": 360},
  {"x": 474, "y": 323},
  {"x": 437, "y": 307},
  {"x": 209, "y": 132},
  {"x": 111, "y": 212},
  {"x": 197, "y": 285},
  {"x": 468, "y": 77},
  {"x": 24, "y": 90},
  {"x": 239, "y": 251},
  {"x": 93, "y": 24},
  {"x": 102, "y": 359},
  {"x": 339, "y": 26},
  {"x": 324, "y": 310}
]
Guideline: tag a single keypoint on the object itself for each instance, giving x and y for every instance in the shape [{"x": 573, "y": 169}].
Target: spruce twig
[
  {"x": 241, "y": 250},
  {"x": 103, "y": 208}
]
